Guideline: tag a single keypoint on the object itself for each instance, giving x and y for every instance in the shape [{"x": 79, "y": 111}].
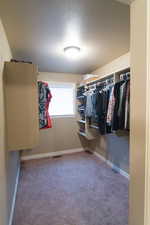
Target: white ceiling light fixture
[{"x": 72, "y": 52}]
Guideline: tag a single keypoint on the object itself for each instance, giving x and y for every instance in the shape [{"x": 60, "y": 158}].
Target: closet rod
[
  {"x": 125, "y": 76},
  {"x": 123, "y": 71},
  {"x": 100, "y": 80},
  {"x": 106, "y": 77},
  {"x": 106, "y": 82}
]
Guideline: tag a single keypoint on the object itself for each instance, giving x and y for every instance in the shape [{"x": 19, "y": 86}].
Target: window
[{"x": 63, "y": 99}]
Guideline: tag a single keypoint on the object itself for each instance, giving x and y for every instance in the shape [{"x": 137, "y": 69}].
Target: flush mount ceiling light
[{"x": 72, "y": 51}]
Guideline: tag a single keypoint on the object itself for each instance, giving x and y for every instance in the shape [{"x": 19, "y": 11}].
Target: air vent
[
  {"x": 57, "y": 156},
  {"x": 89, "y": 152}
]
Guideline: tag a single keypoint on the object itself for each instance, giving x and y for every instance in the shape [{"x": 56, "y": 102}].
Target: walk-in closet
[
  {"x": 103, "y": 107},
  {"x": 66, "y": 87}
]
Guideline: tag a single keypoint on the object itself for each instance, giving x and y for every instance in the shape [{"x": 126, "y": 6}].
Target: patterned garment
[
  {"x": 44, "y": 100},
  {"x": 127, "y": 107},
  {"x": 89, "y": 106},
  {"x": 111, "y": 106}
]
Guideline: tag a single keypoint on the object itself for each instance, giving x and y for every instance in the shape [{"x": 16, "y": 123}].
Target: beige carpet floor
[{"x": 76, "y": 189}]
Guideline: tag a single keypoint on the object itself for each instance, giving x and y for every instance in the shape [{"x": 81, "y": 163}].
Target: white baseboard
[
  {"x": 14, "y": 198},
  {"x": 117, "y": 169},
  {"x": 51, "y": 154}
]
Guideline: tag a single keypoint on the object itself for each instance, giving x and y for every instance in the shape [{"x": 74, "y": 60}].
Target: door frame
[
  {"x": 139, "y": 197},
  {"x": 147, "y": 161},
  {"x": 139, "y": 188}
]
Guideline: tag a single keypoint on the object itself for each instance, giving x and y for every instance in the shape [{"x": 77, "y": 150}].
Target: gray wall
[
  {"x": 12, "y": 166},
  {"x": 118, "y": 151},
  {"x": 113, "y": 147}
]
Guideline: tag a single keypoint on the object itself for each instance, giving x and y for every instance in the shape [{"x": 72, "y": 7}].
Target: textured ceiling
[{"x": 38, "y": 30}]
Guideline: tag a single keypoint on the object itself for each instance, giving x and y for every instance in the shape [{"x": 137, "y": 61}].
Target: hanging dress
[{"x": 44, "y": 101}]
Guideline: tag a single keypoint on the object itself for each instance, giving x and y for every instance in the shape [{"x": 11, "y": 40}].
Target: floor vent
[
  {"x": 57, "y": 156},
  {"x": 115, "y": 170},
  {"x": 89, "y": 152}
]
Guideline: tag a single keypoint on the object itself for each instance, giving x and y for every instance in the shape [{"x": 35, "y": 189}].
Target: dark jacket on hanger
[
  {"x": 115, "y": 122},
  {"x": 119, "y": 117},
  {"x": 122, "y": 105},
  {"x": 102, "y": 98},
  {"x": 94, "y": 117}
]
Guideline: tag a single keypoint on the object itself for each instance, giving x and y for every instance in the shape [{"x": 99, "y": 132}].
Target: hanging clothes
[
  {"x": 120, "y": 117},
  {"x": 80, "y": 91},
  {"x": 107, "y": 105},
  {"x": 121, "y": 110},
  {"x": 111, "y": 105},
  {"x": 115, "y": 123},
  {"x": 127, "y": 107},
  {"x": 44, "y": 101},
  {"x": 89, "y": 105},
  {"x": 102, "y": 99},
  {"x": 94, "y": 118}
]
